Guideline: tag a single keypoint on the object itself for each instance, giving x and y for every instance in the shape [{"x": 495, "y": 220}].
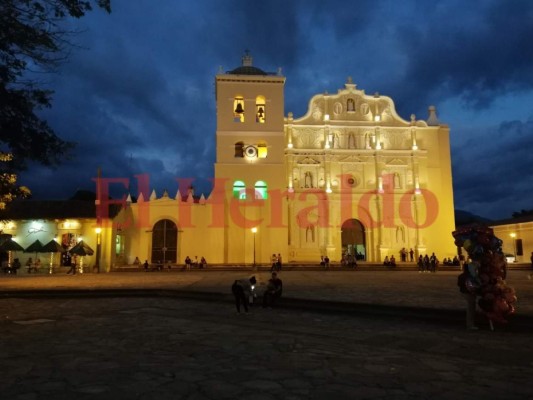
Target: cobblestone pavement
[
  {"x": 171, "y": 348},
  {"x": 112, "y": 345},
  {"x": 390, "y": 288}
]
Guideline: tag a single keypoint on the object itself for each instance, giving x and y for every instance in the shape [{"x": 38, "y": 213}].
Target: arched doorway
[
  {"x": 164, "y": 242},
  {"x": 353, "y": 238}
]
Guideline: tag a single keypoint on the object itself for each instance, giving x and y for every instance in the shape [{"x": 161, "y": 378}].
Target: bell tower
[{"x": 250, "y": 147}]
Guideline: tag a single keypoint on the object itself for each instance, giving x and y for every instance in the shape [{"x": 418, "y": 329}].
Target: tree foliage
[
  {"x": 9, "y": 190},
  {"x": 33, "y": 39}
]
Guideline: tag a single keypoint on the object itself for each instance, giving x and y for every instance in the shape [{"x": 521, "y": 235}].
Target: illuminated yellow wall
[{"x": 349, "y": 156}]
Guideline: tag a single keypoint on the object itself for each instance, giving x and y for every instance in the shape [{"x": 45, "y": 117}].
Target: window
[
  {"x": 239, "y": 190},
  {"x": 239, "y": 149},
  {"x": 262, "y": 150},
  {"x": 261, "y": 190},
  {"x": 260, "y": 110},
  {"x": 238, "y": 109}
]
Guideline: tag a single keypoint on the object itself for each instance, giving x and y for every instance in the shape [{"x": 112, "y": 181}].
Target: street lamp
[
  {"x": 98, "y": 231},
  {"x": 254, "y": 231},
  {"x": 513, "y": 235}
]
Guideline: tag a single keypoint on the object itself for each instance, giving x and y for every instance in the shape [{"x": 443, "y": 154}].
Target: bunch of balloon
[{"x": 487, "y": 268}]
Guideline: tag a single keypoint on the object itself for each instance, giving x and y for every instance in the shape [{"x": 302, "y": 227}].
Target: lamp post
[
  {"x": 98, "y": 231},
  {"x": 254, "y": 231},
  {"x": 513, "y": 235}
]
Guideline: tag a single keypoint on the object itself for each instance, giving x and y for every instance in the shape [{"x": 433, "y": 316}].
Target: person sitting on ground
[
  {"x": 273, "y": 291},
  {"x": 386, "y": 261},
  {"x": 392, "y": 261},
  {"x": 203, "y": 263},
  {"x": 137, "y": 261},
  {"x": 188, "y": 262},
  {"x": 242, "y": 290}
]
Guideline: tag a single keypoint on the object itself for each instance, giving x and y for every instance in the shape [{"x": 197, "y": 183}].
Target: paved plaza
[{"x": 176, "y": 335}]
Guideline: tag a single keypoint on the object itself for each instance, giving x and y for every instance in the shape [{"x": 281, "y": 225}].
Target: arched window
[
  {"x": 239, "y": 190},
  {"x": 261, "y": 190},
  {"x": 164, "y": 242},
  {"x": 238, "y": 109},
  {"x": 260, "y": 110}
]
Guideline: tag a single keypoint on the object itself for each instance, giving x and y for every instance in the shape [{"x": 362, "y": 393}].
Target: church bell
[{"x": 239, "y": 109}]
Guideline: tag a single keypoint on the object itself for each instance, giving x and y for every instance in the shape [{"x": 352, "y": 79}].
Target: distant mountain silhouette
[
  {"x": 84, "y": 195},
  {"x": 466, "y": 218}
]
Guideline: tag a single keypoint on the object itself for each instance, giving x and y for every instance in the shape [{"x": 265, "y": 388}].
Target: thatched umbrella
[
  {"x": 81, "y": 249},
  {"x": 52, "y": 247},
  {"x": 35, "y": 247},
  {"x": 9, "y": 245}
]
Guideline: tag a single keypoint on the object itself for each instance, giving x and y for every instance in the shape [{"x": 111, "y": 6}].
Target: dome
[{"x": 247, "y": 70}]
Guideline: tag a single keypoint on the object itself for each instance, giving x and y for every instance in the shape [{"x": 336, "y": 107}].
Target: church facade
[{"x": 348, "y": 177}]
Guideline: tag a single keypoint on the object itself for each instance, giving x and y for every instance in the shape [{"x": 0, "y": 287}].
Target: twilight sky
[{"x": 138, "y": 94}]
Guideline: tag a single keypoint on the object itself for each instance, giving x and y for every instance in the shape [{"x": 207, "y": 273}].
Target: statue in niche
[
  {"x": 310, "y": 234},
  {"x": 351, "y": 141},
  {"x": 350, "y": 105},
  {"x": 335, "y": 139},
  {"x": 367, "y": 141},
  {"x": 397, "y": 183},
  {"x": 400, "y": 234},
  {"x": 364, "y": 108},
  {"x": 308, "y": 180}
]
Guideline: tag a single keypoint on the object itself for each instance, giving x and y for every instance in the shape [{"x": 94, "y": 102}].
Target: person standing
[
  {"x": 72, "y": 266},
  {"x": 469, "y": 294},
  {"x": 279, "y": 262},
  {"x": 274, "y": 261},
  {"x": 420, "y": 264},
  {"x": 411, "y": 255},
  {"x": 242, "y": 289}
]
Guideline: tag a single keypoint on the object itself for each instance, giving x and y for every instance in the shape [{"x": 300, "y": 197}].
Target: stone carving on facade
[
  {"x": 396, "y": 140},
  {"x": 337, "y": 108},
  {"x": 317, "y": 112},
  {"x": 307, "y": 138},
  {"x": 350, "y": 159},
  {"x": 308, "y": 160},
  {"x": 364, "y": 108}
]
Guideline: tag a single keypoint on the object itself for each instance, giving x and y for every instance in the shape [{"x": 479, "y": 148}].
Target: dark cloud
[
  {"x": 492, "y": 172},
  {"x": 138, "y": 94}
]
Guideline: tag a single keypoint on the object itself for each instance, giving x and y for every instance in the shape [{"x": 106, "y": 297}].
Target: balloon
[{"x": 487, "y": 270}]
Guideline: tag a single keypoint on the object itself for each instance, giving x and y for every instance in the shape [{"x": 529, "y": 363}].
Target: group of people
[
  {"x": 404, "y": 253},
  {"x": 348, "y": 260},
  {"x": 389, "y": 262},
  {"x": 451, "y": 262},
  {"x": 427, "y": 264},
  {"x": 11, "y": 269},
  {"x": 276, "y": 262},
  {"x": 33, "y": 266},
  {"x": 189, "y": 263},
  {"x": 244, "y": 292}
]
